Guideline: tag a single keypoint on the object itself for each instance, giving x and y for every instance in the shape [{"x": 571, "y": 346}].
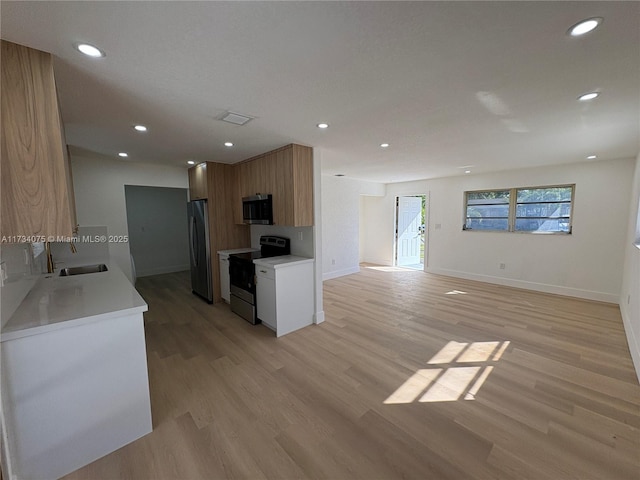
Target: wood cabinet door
[
  {"x": 198, "y": 182},
  {"x": 35, "y": 188},
  {"x": 302, "y": 194},
  {"x": 283, "y": 194}
]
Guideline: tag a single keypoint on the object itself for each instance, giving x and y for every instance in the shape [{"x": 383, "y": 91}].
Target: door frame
[{"x": 425, "y": 196}]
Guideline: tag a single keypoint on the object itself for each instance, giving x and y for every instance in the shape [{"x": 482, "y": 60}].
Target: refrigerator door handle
[{"x": 194, "y": 239}]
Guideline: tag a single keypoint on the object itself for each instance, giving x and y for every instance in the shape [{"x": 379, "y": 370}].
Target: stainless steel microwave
[{"x": 257, "y": 209}]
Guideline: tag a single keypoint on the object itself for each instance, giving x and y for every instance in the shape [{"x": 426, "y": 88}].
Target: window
[
  {"x": 525, "y": 210},
  {"x": 487, "y": 210}
]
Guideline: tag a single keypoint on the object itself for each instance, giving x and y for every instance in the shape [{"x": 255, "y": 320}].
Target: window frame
[{"x": 513, "y": 204}]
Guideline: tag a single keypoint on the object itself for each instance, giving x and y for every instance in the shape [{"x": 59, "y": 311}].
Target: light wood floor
[{"x": 370, "y": 393}]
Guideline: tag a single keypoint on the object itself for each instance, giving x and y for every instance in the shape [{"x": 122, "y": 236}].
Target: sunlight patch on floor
[
  {"x": 450, "y": 381},
  {"x": 414, "y": 386}
]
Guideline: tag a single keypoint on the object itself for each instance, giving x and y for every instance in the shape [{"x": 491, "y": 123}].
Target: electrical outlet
[{"x": 503, "y": 266}]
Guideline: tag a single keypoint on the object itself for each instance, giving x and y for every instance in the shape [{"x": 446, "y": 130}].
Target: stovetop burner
[
  {"x": 247, "y": 256},
  {"x": 270, "y": 246}
]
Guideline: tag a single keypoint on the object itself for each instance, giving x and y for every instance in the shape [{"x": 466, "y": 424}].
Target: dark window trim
[{"x": 513, "y": 204}]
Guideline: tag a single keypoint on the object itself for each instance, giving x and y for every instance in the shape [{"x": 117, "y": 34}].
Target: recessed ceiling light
[
  {"x": 140, "y": 128},
  {"x": 228, "y": 144},
  {"x": 90, "y": 50},
  {"x": 467, "y": 171},
  {"x": 191, "y": 162},
  {"x": 384, "y": 145},
  {"x": 592, "y": 157},
  {"x": 588, "y": 96},
  {"x": 585, "y": 26},
  {"x": 323, "y": 125},
  {"x": 123, "y": 154}
]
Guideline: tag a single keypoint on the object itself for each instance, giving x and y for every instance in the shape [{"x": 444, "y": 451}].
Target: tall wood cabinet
[
  {"x": 216, "y": 182},
  {"x": 37, "y": 191}
]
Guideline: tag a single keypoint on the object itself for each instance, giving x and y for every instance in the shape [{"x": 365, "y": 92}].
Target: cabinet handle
[{"x": 263, "y": 271}]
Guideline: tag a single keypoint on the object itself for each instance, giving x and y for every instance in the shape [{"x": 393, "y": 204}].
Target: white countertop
[
  {"x": 57, "y": 302},
  {"x": 282, "y": 261}
]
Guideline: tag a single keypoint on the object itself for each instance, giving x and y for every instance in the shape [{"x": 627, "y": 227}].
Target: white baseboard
[
  {"x": 538, "y": 287},
  {"x": 378, "y": 261},
  {"x": 632, "y": 337},
  {"x": 160, "y": 270},
  {"x": 340, "y": 273},
  {"x": 318, "y": 317}
]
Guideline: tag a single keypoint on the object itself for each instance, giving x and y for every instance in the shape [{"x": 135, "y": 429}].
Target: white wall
[
  {"x": 99, "y": 191},
  {"x": 341, "y": 223},
  {"x": 586, "y": 264},
  {"x": 630, "y": 293}
]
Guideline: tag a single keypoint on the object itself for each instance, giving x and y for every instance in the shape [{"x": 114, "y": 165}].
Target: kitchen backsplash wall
[
  {"x": 301, "y": 237},
  {"x": 19, "y": 273},
  {"x": 92, "y": 247}
]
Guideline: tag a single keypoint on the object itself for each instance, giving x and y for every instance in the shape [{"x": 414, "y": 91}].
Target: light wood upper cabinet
[
  {"x": 302, "y": 176},
  {"x": 287, "y": 174},
  {"x": 37, "y": 194},
  {"x": 198, "y": 182}
]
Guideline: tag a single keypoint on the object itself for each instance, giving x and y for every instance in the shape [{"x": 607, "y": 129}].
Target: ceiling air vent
[{"x": 235, "y": 118}]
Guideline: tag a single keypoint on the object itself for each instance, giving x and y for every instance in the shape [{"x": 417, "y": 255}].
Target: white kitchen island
[{"x": 74, "y": 373}]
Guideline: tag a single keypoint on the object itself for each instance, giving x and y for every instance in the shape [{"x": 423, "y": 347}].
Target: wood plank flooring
[{"x": 390, "y": 386}]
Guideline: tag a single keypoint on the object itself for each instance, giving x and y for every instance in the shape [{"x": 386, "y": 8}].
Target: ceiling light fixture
[
  {"x": 123, "y": 154},
  {"x": 191, "y": 162},
  {"x": 585, "y": 26},
  {"x": 228, "y": 144},
  {"x": 323, "y": 125},
  {"x": 384, "y": 145},
  {"x": 592, "y": 157},
  {"x": 90, "y": 50},
  {"x": 467, "y": 171},
  {"x": 140, "y": 128},
  {"x": 588, "y": 96}
]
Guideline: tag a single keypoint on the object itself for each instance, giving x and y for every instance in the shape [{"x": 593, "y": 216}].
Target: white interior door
[{"x": 408, "y": 243}]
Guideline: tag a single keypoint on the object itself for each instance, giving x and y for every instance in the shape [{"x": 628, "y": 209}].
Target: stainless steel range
[{"x": 242, "y": 275}]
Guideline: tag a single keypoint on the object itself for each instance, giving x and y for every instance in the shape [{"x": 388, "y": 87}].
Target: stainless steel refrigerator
[{"x": 200, "y": 257}]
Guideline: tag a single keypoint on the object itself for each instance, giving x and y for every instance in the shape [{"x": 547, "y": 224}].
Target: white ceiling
[{"x": 414, "y": 74}]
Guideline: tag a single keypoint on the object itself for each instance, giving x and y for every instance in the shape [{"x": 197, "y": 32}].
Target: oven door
[
  {"x": 243, "y": 288},
  {"x": 242, "y": 274}
]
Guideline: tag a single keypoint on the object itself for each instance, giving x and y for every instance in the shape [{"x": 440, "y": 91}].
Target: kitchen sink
[{"x": 66, "y": 272}]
